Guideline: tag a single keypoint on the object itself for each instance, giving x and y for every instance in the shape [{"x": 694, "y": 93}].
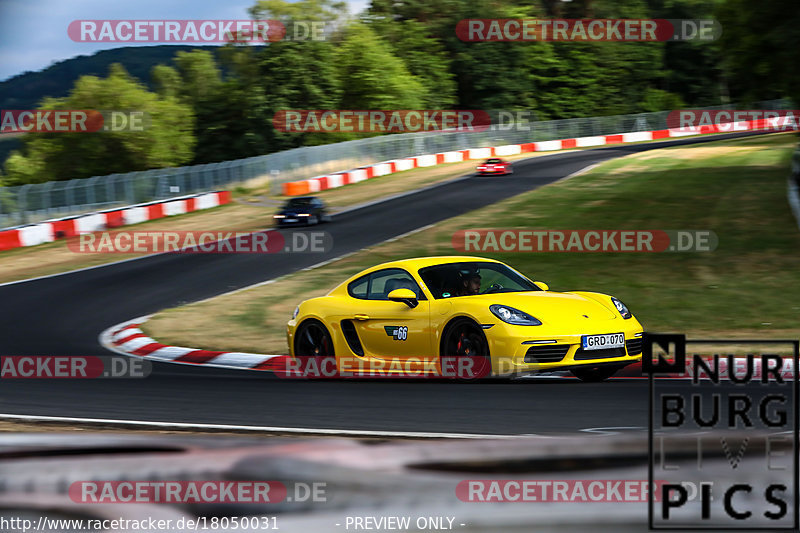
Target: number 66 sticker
[{"x": 399, "y": 333}]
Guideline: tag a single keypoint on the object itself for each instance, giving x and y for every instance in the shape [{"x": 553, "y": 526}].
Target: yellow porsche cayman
[{"x": 412, "y": 316}]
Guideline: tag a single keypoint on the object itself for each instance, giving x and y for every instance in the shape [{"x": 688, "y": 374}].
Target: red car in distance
[{"x": 496, "y": 166}]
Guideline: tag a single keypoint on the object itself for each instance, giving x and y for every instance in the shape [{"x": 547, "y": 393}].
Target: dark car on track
[
  {"x": 495, "y": 165},
  {"x": 302, "y": 211}
]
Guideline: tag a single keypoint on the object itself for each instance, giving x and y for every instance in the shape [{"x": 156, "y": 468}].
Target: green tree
[
  {"x": 371, "y": 76},
  {"x": 167, "y": 139},
  {"x": 299, "y": 75},
  {"x": 293, "y": 74},
  {"x": 760, "y": 50},
  {"x": 166, "y": 81},
  {"x": 196, "y": 80},
  {"x": 424, "y": 56},
  {"x": 303, "y": 10},
  {"x": 200, "y": 74},
  {"x": 489, "y": 75}
]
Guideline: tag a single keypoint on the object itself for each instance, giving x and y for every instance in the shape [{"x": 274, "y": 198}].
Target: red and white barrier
[
  {"x": 322, "y": 183},
  {"x": 50, "y": 230}
]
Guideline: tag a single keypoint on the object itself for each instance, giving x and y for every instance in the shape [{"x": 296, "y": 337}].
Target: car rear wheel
[
  {"x": 465, "y": 351},
  {"x": 595, "y": 374}
]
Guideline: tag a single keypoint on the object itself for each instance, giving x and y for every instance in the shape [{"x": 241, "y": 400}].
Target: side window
[
  {"x": 385, "y": 281},
  {"x": 359, "y": 288}
]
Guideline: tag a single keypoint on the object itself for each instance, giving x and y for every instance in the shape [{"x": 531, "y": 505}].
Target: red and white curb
[
  {"x": 339, "y": 179},
  {"x": 128, "y": 339},
  {"x": 50, "y": 230}
]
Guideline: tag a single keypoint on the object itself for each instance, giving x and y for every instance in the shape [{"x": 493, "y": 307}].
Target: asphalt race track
[{"x": 64, "y": 314}]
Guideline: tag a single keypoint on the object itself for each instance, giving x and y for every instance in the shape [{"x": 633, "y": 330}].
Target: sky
[{"x": 33, "y": 33}]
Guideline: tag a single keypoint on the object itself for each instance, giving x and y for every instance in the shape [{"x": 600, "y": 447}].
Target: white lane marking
[
  {"x": 270, "y": 429},
  {"x": 612, "y": 430},
  {"x": 584, "y": 170}
]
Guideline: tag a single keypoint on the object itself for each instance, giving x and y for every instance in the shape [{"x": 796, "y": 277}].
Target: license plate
[
  {"x": 599, "y": 342},
  {"x": 291, "y": 220}
]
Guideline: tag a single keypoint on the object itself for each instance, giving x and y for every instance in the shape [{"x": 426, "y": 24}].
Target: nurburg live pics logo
[{"x": 728, "y": 434}]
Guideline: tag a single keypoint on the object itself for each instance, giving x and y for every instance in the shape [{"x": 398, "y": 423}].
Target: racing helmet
[{"x": 468, "y": 273}]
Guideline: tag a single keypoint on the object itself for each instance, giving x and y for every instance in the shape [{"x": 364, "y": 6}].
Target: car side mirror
[
  {"x": 542, "y": 285},
  {"x": 406, "y": 296}
]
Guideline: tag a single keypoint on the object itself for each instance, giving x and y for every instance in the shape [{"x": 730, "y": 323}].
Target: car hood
[{"x": 550, "y": 307}]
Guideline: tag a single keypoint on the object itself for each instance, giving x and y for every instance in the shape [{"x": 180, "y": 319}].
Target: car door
[{"x": 392, "y": 330}]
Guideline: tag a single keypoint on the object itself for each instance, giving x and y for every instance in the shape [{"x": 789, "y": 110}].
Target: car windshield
[
  {"x": 294, "y": 203},
  {"x": 470, "y": 278},
  {"x": 494, "y": 160}
]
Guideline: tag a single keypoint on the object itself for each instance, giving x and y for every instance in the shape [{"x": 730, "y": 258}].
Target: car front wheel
[
  {"x": 313, "y": 340},
  {"x": 465, "y": 351}
]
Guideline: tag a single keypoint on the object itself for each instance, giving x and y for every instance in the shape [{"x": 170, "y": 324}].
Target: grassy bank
[{"x": 747, "y": 286}]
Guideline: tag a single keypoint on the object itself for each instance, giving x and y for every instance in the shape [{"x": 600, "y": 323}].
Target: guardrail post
[
  {"x": 22, "y": 203},
  {"x": 129, "y": 190}
]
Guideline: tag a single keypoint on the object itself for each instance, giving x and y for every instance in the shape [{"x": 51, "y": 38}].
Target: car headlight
[
  {"x": 513, "y": 316},
  {"x": 622, "y": 308},
  {"x": 296, "y": 312}
]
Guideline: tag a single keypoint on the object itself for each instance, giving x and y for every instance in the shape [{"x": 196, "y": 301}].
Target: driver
[{"x": 469, "y": 282}]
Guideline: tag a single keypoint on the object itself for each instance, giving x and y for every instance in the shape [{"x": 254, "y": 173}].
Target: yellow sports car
[{"x": 463, "y": 317}]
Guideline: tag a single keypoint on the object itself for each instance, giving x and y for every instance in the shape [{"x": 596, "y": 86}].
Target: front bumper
[{"x": 523, "y": 349}]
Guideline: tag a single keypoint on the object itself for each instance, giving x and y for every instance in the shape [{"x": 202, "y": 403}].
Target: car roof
[
  {"x": 416, "y": 263},
  {"x": 412, "y": 265}
]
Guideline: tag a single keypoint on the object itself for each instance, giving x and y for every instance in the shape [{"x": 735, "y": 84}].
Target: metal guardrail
[{"x": 35, "y": 202}]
